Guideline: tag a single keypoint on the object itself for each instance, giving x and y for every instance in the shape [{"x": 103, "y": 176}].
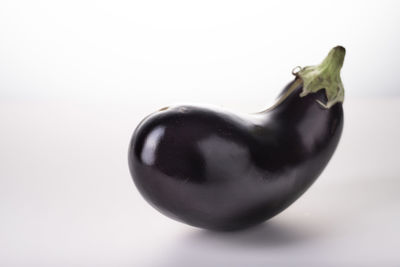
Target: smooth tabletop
[{"x": 67, "y": 199}]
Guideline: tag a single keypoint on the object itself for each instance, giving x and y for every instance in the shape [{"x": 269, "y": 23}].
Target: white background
[{"x": 77, "y": 76}]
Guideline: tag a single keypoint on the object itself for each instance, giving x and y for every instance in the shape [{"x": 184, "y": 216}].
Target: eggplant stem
[
  {"x": 296, "y": 70},
  {"x": 325, "y": 76}
]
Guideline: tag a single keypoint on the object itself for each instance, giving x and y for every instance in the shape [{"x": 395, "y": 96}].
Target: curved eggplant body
[{"x": 213, "y": 169}]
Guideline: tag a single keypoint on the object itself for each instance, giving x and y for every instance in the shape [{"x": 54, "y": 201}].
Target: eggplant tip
[
  {"x": 339, "y": 47},
  {"x": 325, "y": 76}
]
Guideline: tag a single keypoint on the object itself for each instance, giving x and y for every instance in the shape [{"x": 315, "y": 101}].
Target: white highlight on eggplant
[{"x": 149, "y": 149}]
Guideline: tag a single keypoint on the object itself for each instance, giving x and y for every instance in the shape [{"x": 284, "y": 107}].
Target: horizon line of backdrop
[{"x": 218, "y": 52}]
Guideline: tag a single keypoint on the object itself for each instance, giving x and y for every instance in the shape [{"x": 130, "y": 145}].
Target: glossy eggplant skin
[{"x": 214, "y": 169}]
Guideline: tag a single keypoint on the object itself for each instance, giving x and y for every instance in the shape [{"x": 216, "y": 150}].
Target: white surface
[
  {"x": 190, "y": 50},
  {"x": 67, "y": 199}
]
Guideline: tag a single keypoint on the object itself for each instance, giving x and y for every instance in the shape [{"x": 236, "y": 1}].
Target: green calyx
[{"x": 325, "y": 76}]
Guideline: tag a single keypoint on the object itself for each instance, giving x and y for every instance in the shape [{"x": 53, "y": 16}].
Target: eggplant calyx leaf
[{"x": 325, "y": 76}]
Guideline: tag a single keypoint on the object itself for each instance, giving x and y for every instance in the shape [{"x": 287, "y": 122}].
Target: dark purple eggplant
[{"x": 218, "y": 170}]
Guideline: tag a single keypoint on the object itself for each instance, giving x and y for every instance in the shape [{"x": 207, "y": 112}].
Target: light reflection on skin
[
  {"x": 216, "y": 149},
  {"x": 149, "y": 148}
]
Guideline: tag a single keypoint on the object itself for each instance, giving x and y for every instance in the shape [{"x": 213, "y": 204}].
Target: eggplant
[{"x": 218, "y": 170}]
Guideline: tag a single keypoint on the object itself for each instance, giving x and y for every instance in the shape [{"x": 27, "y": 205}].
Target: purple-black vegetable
[{"x": 215, "y": 169}]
